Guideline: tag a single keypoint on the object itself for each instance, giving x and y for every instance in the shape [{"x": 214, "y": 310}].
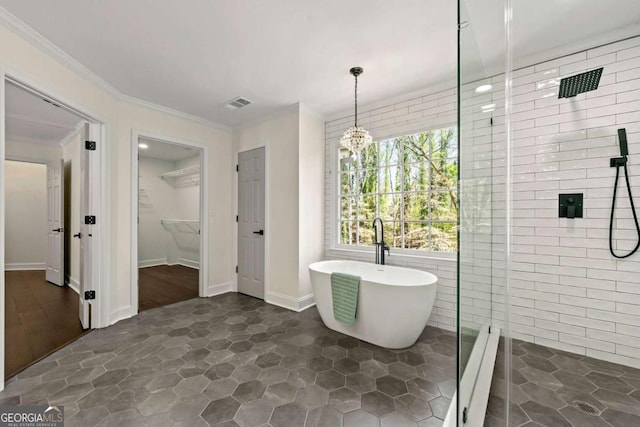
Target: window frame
[{"x": 335, "y": 198}]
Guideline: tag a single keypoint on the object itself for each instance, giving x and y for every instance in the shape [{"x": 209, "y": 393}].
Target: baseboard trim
[
  {"x": 73, "y": 284},
  {"x": 152, "y": 262},
  {"x": 121, "y": 314},
  {"x": 19, "y": 266},
  {"x": 306, "y": 301},
  {"x": 219, "y": 288},
  {"x": 189, "y": 263},
  {"x": 289, "y": 302}
]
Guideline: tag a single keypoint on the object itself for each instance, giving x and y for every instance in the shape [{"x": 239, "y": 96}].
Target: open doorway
[
  {"x": 169, "y": 228},
  {"x": 43, "y": 141}
]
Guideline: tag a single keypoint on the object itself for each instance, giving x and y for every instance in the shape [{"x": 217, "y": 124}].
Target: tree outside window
[{"x": 409, "y": 182}]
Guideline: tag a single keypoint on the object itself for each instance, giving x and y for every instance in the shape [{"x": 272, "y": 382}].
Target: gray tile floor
[
  {"x": 558, "y": 389},
  {"x": 233, "y": 360}
]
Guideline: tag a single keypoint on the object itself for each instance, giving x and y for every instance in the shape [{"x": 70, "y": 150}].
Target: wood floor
[
  {"x": 166, "y": 284},
  {"x": 40, "y": 318}
]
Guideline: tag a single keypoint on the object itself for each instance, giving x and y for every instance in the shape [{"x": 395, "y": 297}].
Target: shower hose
[{"x": 633, "y": 210}]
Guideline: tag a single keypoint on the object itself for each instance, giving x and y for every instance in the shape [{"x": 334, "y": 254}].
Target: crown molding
[
  {"x": 30, "y": 35},
  {"x": 27, "y": 33},
  {"x": 177, "y": 113}
]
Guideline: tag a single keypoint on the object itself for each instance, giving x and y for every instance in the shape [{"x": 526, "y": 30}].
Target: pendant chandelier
[{"x": 355, "y": 138}]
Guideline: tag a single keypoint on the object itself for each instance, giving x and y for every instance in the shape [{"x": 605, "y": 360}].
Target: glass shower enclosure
[
  {"x": 549, "y": 117},
  {"x": 480, "y": 96}
]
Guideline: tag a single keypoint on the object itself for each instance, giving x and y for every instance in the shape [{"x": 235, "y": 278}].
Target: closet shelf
[
  {"x": 182, "y": 225},
  {"x": 185, "y": 176}
]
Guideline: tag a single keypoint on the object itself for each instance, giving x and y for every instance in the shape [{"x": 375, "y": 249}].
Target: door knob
[
  {"x": 59, "y": 230},
  {"x": 260, "y": 232},
  {"x": 79, "y": 235}
]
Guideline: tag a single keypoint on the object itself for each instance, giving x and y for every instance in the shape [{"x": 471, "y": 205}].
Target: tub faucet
[{"x": 381, "y": 246}]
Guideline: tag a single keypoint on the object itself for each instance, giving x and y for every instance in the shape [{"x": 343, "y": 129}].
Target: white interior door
[
  {"x": 251, "y": 222},
  {"x": 55, "y": 221},
  {"x": 87, "y": 278}
]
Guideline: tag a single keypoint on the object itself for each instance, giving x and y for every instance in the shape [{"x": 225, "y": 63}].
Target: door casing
[
  {"x": 136, "y": 134},
  {"x": 100, "y": 195}
]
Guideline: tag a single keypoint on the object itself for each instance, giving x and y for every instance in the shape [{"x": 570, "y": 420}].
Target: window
[{"x": 409, "y": 182}]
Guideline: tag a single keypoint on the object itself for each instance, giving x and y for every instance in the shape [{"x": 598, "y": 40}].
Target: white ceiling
[
  {"x": 195, "y": 56},
  {"x": 164, "y": 151},
  {"x": 31, "y": 119},
  {"x": 542, "y": 29}
]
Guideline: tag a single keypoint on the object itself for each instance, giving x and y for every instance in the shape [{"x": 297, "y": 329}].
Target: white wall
[
  {"x": 28, "y": 152},
  {"x": 160, "y": 244},
  {"x": 188, "y": 196},
  {"x": 25, "y": 216},
  {"x": 187, "y": 202},
  {"x": 294, "y": 183},
  {"x": 310, "y": 200},
  {"x": 280, "y": 137},
  {"x": 156, "y": 201},
  {"x": 31, "y": 62},
  {"x": 71, "y": 155}
]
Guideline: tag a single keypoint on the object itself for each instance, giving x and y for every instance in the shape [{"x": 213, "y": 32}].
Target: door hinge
[
  {"x": 236, "y": 268},
  {"x": 491, "y": 121},
  {"x": 236, "y": 218},
  {"x": 90, "y": 145},
  {"x": 90, "y": 219},
  {"x": 89, "y": 295},
  {"x": 464, "y": 415},
  {"x": 237, "y": 168}
]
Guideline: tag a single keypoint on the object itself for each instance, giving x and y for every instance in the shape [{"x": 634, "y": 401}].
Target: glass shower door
[{"x": 479, "y": 98}]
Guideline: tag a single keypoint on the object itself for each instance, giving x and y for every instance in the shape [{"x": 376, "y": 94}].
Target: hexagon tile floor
[
  {"x": 553, "y": 388},
  {"x": 233, "y": 360}
]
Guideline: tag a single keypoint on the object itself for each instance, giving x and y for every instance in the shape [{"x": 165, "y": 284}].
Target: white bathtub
[{"x": 394, "y": 303}]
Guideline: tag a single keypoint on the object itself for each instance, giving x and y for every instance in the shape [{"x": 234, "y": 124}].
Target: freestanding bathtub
[{"x": 394, "y": 303}]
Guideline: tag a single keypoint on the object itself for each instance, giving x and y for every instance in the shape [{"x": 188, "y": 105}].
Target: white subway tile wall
[
  {"x": 567, "y": 291},
  {"x": 404, "y": 117}
]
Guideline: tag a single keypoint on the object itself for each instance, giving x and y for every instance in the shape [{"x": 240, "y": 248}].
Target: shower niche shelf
[{"x": 183, "y": 177}]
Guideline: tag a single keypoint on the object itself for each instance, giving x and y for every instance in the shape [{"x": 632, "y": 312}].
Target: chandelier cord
[{"x": 356, "y": 101}]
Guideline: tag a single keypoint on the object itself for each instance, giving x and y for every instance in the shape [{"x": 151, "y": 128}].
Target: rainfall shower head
[{"x": 584, "y": 82}]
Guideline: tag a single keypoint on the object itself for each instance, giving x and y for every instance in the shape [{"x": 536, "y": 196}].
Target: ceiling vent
[
  {"x": 51, "y": 102},
  {"x": 238, "y": 102}
]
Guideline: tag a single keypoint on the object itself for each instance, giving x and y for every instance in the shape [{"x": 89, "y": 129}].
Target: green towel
[{"x": 344, "y": 292}]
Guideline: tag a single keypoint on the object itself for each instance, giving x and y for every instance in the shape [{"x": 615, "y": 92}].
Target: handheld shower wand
[{"x": 618, "y": 162}]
